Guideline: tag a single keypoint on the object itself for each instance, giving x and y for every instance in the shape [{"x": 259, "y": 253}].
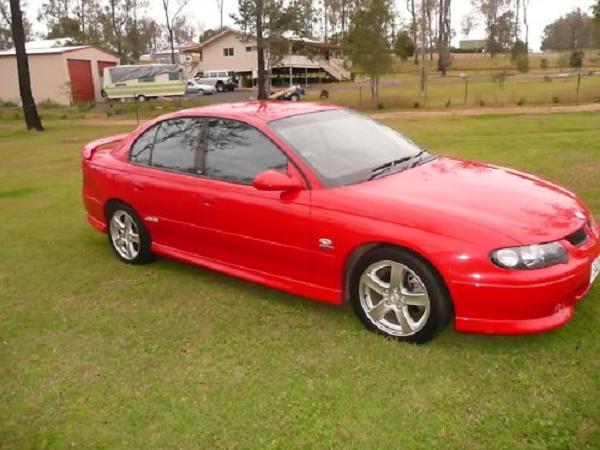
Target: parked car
[
  {"x": 323, "y": 202},
  {"x": 143, "y": 81},
  {"x": 223, "y": 80},
  {"x": 193, "y": 87},
  {"x": 293, "y": 93}
]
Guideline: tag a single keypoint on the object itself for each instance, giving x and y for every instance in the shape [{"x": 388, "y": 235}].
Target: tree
[
  {"x": 496, "y": 20},
  {"x": 32, "y": 119},
  {"x": 170, "y": 17},
  {"x": 525, "y": 4},
  {"x": 576, "y": 58},
  {"x": 367, "y": 43},
  {"x": 414, "y": 28},
  {"x": 404, "y": 46},
  {"x": 574, "y": 30},
  {"x": 444, "y": 34},
  {"x": 220, "y": 4},
  {"x": 270, "y": 23},
  {"x": 6, "y": 40}
]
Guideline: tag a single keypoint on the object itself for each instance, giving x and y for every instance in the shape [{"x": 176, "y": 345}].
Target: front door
[{"x": 261, "y": 230}]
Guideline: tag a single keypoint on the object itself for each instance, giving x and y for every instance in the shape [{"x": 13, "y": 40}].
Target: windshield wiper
[{"x": 387, "y": 167}]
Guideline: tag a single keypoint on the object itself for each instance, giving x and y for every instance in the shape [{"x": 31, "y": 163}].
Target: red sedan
[{"x": 326, "y": 203}]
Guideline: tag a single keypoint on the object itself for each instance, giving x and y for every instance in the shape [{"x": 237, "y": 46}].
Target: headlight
[{"x": 530, "y": 256}]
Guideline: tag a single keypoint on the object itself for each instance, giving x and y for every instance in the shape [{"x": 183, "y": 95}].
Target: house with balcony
[{"x": 306, "y": 61}]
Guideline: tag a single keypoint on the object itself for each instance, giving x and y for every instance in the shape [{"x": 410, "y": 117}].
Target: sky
[{"x": 205, "y": 13}]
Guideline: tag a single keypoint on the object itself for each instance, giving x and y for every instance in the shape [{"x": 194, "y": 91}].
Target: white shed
[{"x": 63, "y": 74}]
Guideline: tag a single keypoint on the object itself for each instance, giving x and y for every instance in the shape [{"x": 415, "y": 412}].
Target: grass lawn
[
  {"x": 98, "y": 354},
  {"x": 449, "y": 92}
]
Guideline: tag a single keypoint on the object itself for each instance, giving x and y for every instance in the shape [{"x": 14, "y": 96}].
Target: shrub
[
  {"x": 380, "y": 105},
  {"x": 547, "y": 79},
  {"x": 576, "y": 58},
  {"x": 448, "y": 103},
  {"x": 500, "y": 78},
  {"x": 521, "y": 101},
  {"x": 416, "y": 105},
  {"x": 543, "y": 63},
  {"x": 49, "y": 104},
  {"x": 7, "y": 104},
  {"x": 522, "y": 63},
  {"x": 481, "y": 102},
  {"x": 555, "y": 99}
]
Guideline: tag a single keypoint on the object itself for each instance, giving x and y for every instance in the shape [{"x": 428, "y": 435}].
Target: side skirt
[{"x": 312, "y": 291}]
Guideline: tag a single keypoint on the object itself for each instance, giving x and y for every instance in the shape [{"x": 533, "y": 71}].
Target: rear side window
[
  {"x": 237, "y": 152},
  {"x": 176, "y": 145},
  {"x": 142, "y": 148},
  {"x": 222, "y": 74},
  {"x": 171, "y": 145}
]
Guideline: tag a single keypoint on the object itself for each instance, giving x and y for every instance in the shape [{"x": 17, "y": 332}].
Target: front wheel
[
  {"x": 128, "y": 236},
  {"x": 220, "y": 87},
  {"x": 398, "y": 295}
]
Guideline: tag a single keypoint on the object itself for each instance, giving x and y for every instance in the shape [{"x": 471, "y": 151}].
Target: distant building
[
  {"x": 163, "y": 57},
  {"x": 230, "y": 50},
  {"x": 474, "y": 45},
  {"x": 59, "y": 72}
]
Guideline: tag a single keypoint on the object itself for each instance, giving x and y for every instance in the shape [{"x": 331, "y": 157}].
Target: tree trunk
[
  {"x": 444, "y": 37},
  {"x": 171, "y": 41},
  {"x": 32, "y": 119},
  {"x": 413, "y": 28},
  {"x": 260, "y": 52},
  {"x": 422, "y": 49}
]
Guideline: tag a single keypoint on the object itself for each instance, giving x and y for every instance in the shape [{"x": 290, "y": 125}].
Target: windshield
[{"x": 344, "y": 147}]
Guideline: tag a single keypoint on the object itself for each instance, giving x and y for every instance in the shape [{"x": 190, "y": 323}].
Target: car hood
[{"x": 519, "y": 206}]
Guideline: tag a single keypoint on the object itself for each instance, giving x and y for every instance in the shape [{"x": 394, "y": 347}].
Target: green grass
[
  {"x": 98, "y": 354},
  {"x": 481, "y": 91}
]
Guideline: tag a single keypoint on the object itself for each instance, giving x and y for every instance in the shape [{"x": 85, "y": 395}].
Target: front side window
[
  {"x": 237, "y": 152},
  {"x": 176, "y": 145},
  {"x": 344, "y": 147}
]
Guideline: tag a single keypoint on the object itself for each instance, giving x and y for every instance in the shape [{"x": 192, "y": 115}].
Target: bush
[
  {"x": 416, "y": 105},
  {"x": 500, "y": 78},
  {"x": 448, "y": 103},
  {"x": 49, "y": 104},
  {"x": 547, "y": 79},
  {"x": 555, "y": 99},
  {"x": 481, "y": 102},
  {"x": 576, "y": 58},
  {"x": 521, "y": 101},
  {"x": 380, "y": 105},
  {"x": 7, "y": 104},
  {"x": 522, "y": 63},
  {"x": 543, "y": 63}
]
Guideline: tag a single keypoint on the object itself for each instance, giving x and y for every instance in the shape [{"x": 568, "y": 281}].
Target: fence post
[{"x": 578, "y": 83}]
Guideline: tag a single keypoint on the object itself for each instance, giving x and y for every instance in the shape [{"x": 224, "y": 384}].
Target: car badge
[
  {"x": 579, "y": 215},
  {"x": 326, "y": 244}
]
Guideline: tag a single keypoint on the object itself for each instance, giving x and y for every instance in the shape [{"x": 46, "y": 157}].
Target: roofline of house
[
  {"x": 66, "y": 50},
  {"x": 227, "y": 30}
]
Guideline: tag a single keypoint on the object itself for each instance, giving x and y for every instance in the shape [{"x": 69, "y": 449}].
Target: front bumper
[{"x": 525, "y": 302}]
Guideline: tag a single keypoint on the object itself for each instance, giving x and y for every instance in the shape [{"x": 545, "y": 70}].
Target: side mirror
[{"x": 272, "y": 180}]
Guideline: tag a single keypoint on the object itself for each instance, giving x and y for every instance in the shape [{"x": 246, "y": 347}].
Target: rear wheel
[
  {"x": 127, "y": 235},
  {"x": 220, "y": 86},
  {"x": 398, "y": 295}
]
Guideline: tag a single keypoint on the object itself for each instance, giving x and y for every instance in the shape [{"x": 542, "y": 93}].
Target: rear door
[{"x": 163, "y": 178}]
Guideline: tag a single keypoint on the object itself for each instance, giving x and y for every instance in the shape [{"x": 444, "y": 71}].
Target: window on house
[
  {"x": 228, "y": 51},
  {"x": 251, "y": 48}
]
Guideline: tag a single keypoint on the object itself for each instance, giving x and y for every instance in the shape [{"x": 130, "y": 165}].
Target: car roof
[{"x": 264, "y": 111}]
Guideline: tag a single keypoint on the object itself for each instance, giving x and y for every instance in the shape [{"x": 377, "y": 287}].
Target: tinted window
[
  {"x": 238, "y": 152},
  {"x": 142, "y": 148},
  {"x": 174, "y": 76},
  {"x": 176, "y": 145},
  {"x": 345, "y": 147}
]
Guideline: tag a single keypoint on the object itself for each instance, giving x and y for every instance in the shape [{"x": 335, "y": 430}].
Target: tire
[
  {"x": 415, "y": 311},
  {"x": 141, "y": 98},
  {"x": 294, "y": 98},
  {"x": 201, "y": 92},
  {"x": 220, "y": 86},
  {"x": 123, "y": 225}
]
